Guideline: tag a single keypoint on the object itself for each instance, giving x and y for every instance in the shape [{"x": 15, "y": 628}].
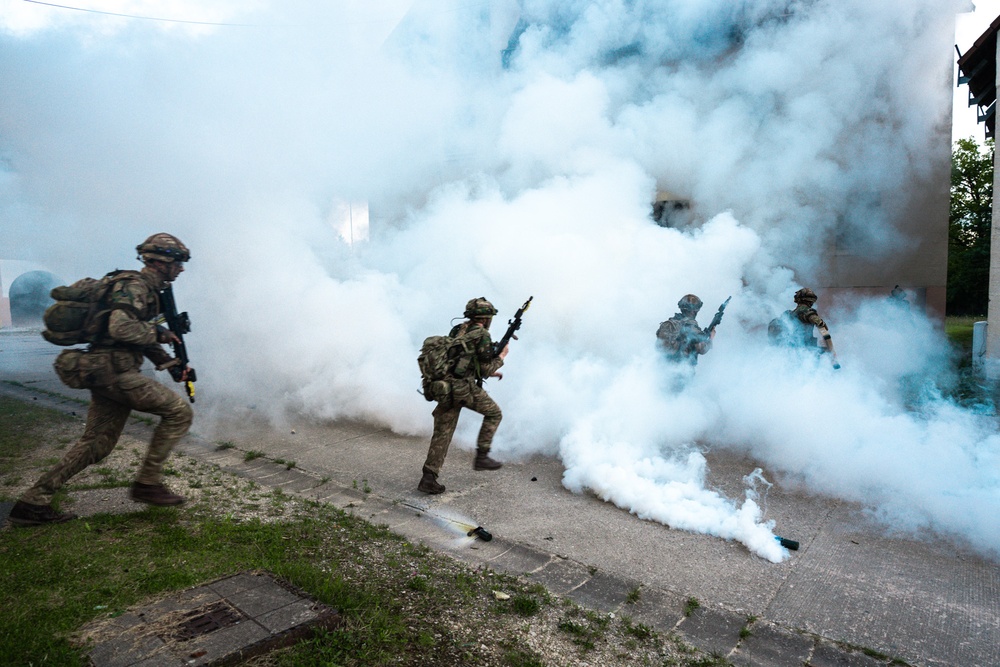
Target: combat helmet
[
  {"x": 479, "y": 308},
  {"x": 689, "y": 304},
  {"x": 163, "y": 247},
  {"x": 806, "y": 296}
]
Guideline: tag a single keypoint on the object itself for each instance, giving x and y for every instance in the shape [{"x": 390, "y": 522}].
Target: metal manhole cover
[{"x": 207, "y": 619}]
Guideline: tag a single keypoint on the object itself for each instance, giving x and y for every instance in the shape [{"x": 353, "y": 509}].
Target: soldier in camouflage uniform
[
  {"x": 129, "y": 335},
  {"x": 680, "y": 337},
  {"x": 794, "y": 328},
  {"x": 466, "y": 378}
]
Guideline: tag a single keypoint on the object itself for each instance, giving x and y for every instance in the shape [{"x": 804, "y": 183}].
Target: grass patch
[
  {"x": 691, "y": 606},
  {"x": 23, "y": 425},
  {"x": 959, "y": 330},
  {"x": 253, "y": 454},
  {"x": 525, "y": 605},
  {"x": 402, "y": 604}
]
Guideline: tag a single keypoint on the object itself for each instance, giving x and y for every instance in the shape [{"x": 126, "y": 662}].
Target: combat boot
[
  {"x": 27, "y": 514},
  {"x": 429, "y": 484},
  {"x": 484, "y": 462},
  {"x": 154, "y": 494}
]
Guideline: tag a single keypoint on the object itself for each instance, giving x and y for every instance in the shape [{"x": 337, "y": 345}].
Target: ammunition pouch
[
  {"x": 438, "y": 390},
  {"x": 79, "y": 369}
]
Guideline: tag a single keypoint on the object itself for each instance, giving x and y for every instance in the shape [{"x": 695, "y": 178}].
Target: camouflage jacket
[
  {"x": 795, "y": 327},
  {"x": 476, "y": 361},
  {"x": 682, "y": 339},
  {"x": 135, "y": 302}
]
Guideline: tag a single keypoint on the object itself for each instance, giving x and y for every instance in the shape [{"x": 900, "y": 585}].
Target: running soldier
[
  {"x": 112, "y": 363},
  {"x": 472, "y": 362}
]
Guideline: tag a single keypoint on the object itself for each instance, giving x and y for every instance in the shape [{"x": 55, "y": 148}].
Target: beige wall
[{"x": 992, "y": 356}]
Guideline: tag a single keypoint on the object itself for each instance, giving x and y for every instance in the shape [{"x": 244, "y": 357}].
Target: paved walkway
[{"x": 850, "y": 596}]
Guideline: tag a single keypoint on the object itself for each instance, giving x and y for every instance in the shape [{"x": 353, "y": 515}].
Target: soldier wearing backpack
[
  {"x": 471, "y": 359},
  {"x": 680, "y": 337},
  {"x": 794, "y": 328},
  {"x": 122, "y": 335}
]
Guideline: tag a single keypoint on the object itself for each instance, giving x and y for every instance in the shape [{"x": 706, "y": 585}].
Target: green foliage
[
  {"x": 691, "y": 606},
  {"x": 969, "y": 227},
  {"x": 525, "y": 605}
]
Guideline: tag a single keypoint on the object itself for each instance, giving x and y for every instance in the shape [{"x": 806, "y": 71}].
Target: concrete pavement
[{"x": 850, "y": 596}]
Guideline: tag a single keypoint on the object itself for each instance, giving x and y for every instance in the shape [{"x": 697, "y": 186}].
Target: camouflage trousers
[
  {"x": 446, "y": 420},
  {"x": 109, "y": 410}
]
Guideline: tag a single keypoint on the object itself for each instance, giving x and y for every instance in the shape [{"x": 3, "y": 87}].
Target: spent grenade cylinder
[
  {"x": 481, "y": 533},
  {"x": 791, "y": 545}
]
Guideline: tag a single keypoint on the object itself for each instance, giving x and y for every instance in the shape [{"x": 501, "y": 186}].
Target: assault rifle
[
  {"x": 515, "y": 324},
  {"x": 179, "y": 324},
  {"x": 718, "y": 317}
]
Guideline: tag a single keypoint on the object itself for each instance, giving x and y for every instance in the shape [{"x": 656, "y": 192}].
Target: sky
[{"x": 523, "y": 174}]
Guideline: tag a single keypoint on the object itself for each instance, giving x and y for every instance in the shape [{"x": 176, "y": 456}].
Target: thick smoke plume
[{"x": 508, "y": 150}]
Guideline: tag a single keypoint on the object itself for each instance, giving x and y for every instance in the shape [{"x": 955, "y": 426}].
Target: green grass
[
  {"x": 691, "y": 606},
  {"x": 401, "y": 604},
  {"x": 55, "y": 578},
  {"x": 21, "y": 425},
  {"x": 959, "y": 331}
]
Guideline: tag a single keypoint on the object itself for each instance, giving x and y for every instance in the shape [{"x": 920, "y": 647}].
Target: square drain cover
[{"x": 223, "y": 622}]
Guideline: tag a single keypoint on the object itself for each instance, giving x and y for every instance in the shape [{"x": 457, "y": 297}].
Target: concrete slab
[
  {"x": 518, "y": 559},
  {"x": 221, "y": 622},
  {"x": 771, "y": 646},
  {"x": 560, "y": 575},
  {"x": 828, "y": 655},
  {"x": 859, "y": 586},
  {"x": 658, "y": 609},
  {"x": 604, "y": 592},
  {"x": 712, "y": 630}
]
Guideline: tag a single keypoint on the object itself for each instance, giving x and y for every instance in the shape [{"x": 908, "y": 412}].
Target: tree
[{"x": 969, "y": 226}]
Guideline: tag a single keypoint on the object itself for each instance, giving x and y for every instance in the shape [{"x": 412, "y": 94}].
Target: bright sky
[
  {"x": 18, "y": 16},
  {"x": 968, "y": 28}
]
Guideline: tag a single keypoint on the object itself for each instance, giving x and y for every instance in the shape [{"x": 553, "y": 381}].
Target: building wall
[{"x": 991, "y": 361}]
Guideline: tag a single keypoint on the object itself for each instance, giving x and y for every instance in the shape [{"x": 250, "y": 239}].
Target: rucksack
[
  {"x": 443, "y": 358},
  {"x": 789, "y": 331},
  {"x": 79, "y": 314}
]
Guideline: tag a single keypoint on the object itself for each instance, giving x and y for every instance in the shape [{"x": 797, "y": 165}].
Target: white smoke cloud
[{"x": 779, "y": 120}]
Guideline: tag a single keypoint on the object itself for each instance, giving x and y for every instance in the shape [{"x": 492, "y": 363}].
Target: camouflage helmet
[
  {"x": 806, "y": 296},
  {"x": 689, "y": 303},
  {"x": 163, "y": 247},
  {"x": 479, "y": 308}
]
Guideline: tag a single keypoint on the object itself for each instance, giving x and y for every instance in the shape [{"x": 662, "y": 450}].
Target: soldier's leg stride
[
  {"x": 484, "y": 462},
  {"x": 154, "y": 494},
  {"x": 490, "y": 411},
  {"x": 27, "y": 514},
  {"x": 175, "y": 414}
]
